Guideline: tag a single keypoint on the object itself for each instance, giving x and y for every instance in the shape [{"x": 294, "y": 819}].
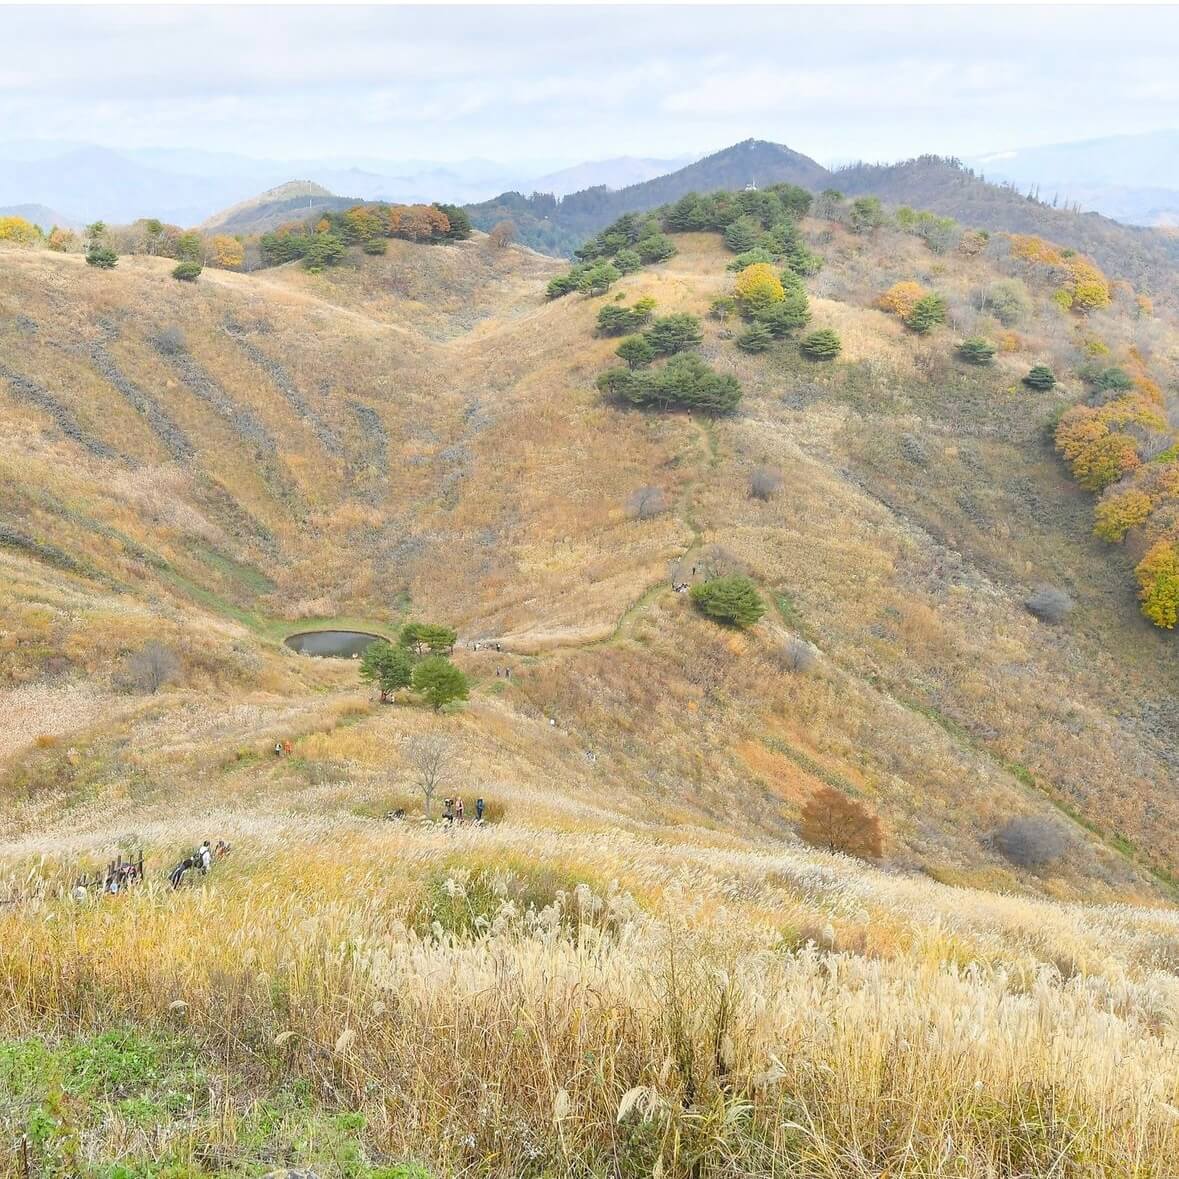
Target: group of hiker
[
  {"x": 453, "y": 812},
  {"x": 200, "y": 860},
  {"x": 121, "y": 874}
]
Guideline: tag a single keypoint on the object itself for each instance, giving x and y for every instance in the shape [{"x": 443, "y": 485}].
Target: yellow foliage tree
[
  {"x": 18, "y": 230},
  {"x": 901, "y": 298},
  {"x": 758, "y": 287},
  {"x": 1106, "y": 461},
  {"x": 1158, "y": 583},
  {"x": 1035, "y": 249},
  {"x": 228, "y": 252},
  {"x": 1116, "y": 514}
]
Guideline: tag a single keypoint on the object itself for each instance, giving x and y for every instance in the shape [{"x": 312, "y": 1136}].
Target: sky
[{"x": 582, "y": 83}]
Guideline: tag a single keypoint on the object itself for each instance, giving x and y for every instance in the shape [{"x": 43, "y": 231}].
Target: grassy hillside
[{"x": 637, "y": 962}]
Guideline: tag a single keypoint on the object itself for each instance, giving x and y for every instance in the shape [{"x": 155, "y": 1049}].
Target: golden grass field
[{"x": 637, "y": 968}]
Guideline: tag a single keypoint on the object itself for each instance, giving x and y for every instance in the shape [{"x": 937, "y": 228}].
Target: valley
[{"x": 636, "y": 963}]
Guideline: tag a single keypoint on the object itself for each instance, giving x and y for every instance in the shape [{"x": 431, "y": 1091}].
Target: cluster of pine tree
[{"x": 324, "y": 241}]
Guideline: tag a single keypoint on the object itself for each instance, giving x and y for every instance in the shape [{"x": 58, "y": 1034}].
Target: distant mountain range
[
  {"x": 1147, "y": 257},
  {"x": 187, "y": 187},
  {"x": 1135, "y": 178},
  {"x": 40, "y": 215}
]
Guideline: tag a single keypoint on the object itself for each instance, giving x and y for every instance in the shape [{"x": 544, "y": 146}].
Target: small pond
[{"x": 331, "y": 644}]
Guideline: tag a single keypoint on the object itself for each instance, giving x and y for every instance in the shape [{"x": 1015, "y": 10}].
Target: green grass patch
[
  {"x": 812, "y": 767},
  {"x": 249, "y": 577},
  {"x": 54, "y": 1095}
]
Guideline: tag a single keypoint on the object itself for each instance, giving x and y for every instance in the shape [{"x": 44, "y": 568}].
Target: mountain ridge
[{"x": 1147, "y": 257}]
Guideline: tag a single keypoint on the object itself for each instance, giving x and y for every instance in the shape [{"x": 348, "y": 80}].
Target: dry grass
[
  {"x": 744, "y": 1013},
  {"x": 419, "y": 433}
]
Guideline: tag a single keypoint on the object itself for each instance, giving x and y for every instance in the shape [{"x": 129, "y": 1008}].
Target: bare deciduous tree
[
  {"x": 796, "y": 655},
  {"x": 645, "y": 502},
  {"x": 432, "y": 757},
  {"x": 170, "y": 341},
  {"x": 150, "y": 669},
  {"x": 765, "y": 482},
  {"x": 1049, "y": 604},
  {"x": 717, "y": 561},
  {"x": 1031, "y": 842},
  {"x": 502, "y": 234}
]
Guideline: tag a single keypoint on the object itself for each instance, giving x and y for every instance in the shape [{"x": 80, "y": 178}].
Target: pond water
[{"x": 331, "y": 644}]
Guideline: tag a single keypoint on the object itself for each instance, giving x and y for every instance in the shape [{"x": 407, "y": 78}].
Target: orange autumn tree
[
  {"x": 1127, "y": 450},
  {"x": 61, "y": 240},
  {"x": 1083, "y": 285},
  {"x": 418, "y": 222},
  {"x": 1118, "y": 512},
  {"x": 832, "y": 820}
]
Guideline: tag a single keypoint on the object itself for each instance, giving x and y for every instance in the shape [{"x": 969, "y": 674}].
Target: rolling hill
[
  {"x": 637, "y": 964},
  {"x": 295, "y": 200}
]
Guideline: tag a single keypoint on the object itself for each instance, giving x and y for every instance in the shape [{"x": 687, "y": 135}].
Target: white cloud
[{"x": 585, "y": 82}]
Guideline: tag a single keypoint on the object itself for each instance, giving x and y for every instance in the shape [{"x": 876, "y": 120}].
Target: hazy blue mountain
[
  {"x": 40, "y": 215},
  {"x": 95, "y": 182},
  {"x": 615, "y": 173},
  {"x": 1133, "y": 178},
  {"x": 187, "y": 186}
]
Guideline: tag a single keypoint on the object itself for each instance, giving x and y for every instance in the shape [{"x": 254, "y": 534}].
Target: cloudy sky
[{"x": 573, "y": 83}]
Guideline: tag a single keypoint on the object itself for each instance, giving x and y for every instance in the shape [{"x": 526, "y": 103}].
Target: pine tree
[
  {"x": 928, "y": 312},
  {"x": 976, "y": 350},
  {"x": 731, "y": 600},
  {"x": 1040, "y": 377},
  {"x": 387, "y": 666},
  {"x": 440, "y": 682},
  {"x": 821, "y": 345},
  {"x": 756, "y": 338}
]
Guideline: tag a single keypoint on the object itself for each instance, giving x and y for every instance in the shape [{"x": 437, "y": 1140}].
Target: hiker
[
  {"x": 221, "y": 850},
  {"x": 287, "y": 748},
  {"x": 177, "y": 873},
  {"x": 498, "y": 647},
  {"x": 278, "y": 749},
  {"x": 205, "y": 857},
  {"x": 448, "y": 811},
  {"x": 458, "y": 811},
  {"x": 80, "y": 892},
  {"x": 478, "y": 810},
  {"x": 507, "y": 673}
]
